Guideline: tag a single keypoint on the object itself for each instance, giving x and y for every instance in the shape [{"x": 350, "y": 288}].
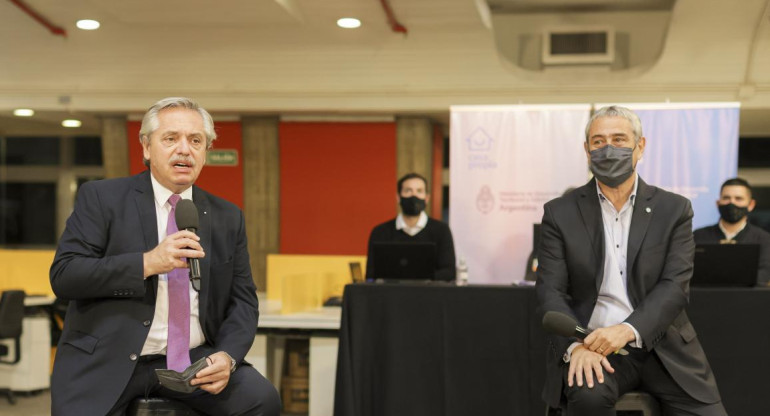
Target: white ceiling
[{"x": 288, "y": 57}]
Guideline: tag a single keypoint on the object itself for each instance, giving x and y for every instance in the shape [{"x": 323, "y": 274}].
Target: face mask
[
  {"x": 612, "y": 165},
  {"x": 412, "y": 206},
  {"x": 732, "y": 213}
]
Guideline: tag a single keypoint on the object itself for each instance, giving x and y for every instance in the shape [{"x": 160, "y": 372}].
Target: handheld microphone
[
  {"x": 566, "y": 326},
  {"x": 187, "y": 219}
]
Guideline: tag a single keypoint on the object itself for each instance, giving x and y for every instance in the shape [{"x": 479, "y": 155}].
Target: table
[
  {"x": 41, "y": 300},
  {"x": 321, "y": 327},
  {"x": 32, "y": 372},
  {"x": 439, "y": 350},
  {"x": 445, "y": 350},
  {"x": 734, "y": 327}
]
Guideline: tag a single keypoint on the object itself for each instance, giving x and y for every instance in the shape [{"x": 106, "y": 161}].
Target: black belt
[{"x": 151, "y": 357}]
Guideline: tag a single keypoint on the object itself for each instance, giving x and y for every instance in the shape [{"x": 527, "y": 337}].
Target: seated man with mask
[
  {"x": 734, "y": 204},
  {"x": 413, "y": 225}
]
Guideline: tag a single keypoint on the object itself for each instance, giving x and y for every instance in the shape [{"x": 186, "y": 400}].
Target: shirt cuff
[
  {"x": 638, "y": 338},
  {"x": 568, "y": 355}
]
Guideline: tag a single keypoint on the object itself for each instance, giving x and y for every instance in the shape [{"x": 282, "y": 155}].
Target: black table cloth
[{"x": 479, "y": 350}]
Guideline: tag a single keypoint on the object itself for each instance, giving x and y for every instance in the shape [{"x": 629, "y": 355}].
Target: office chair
[{"x": 11, "y": 316}]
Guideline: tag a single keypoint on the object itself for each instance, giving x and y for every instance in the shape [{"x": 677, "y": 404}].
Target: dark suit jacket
[
  {"x": 659, "y": 267},
  {"x": 99, "y": 267}
]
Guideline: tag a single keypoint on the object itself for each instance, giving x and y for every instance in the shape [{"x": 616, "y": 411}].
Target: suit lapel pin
[
  {"x": 204, "y": 212},
  {"x": 648, "y": 210}
]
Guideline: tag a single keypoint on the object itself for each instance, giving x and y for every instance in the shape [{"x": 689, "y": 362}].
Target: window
[
  {"x": 26, "y": 151},
  {"x": 39, "y": 177},
  {"x": 27, "y": 214},
  {"x": 754, "y": 152},
  {"x": 761, "y": 214},
  {"x": 88, "y": 151}
]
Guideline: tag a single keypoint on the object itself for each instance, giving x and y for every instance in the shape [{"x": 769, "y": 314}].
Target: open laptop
[
  {"x": 403, "y": 261},
  {"x": 356, "y": 274},
  {"x": 726, "y": 265}
]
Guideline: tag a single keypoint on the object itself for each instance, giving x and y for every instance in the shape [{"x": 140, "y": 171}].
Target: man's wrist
[
  {"x": 568, "y": 354},
  {"x": 147, "y": 265},
  {"x": 635, "y": 339},
  {"x": 233, "y": 364}
]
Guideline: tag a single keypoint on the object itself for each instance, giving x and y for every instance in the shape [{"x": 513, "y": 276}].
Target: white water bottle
[{"x": 462, "y": 273}]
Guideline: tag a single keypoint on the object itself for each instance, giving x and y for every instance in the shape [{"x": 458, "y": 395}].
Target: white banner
[
  {"x": 691, "y": 149},
  {"x": 505, "y": 163}
]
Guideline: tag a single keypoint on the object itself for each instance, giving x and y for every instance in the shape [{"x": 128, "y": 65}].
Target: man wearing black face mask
[
  {"x": 734, "y": 204},
  {"x": 617, "y": 256},
  {"x": 414, "y": 225}
]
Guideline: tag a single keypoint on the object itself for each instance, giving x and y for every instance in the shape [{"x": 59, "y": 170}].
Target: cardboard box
[
  {"x": 297, "y": 358},
  {"x": 294, "y": 394}
]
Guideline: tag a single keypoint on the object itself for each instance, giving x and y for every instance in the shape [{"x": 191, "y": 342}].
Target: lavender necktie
[{"x": 178, "y": 351}]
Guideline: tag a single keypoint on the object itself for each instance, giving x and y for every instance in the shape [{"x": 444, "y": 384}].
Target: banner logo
[
  {"x": 485, "y": 201},
  {"x": 480, "y": 146},
  {"x": 480, "y": 141}
]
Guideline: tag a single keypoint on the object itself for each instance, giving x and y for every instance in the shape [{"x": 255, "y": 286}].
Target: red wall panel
[
  {"x": 223, "y": 181},
  {"x": 338, "y": 180}
]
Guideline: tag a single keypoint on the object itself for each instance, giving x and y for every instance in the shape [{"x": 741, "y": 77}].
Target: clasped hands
[
  {"x": 169, "y": 254},
  {"x": 590, "y": 357}
]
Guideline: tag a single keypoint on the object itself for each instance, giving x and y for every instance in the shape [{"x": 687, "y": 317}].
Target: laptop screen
[
  {"x": 356, "y": 275},
  {"x": 403, "y": 261},
  {"x": 726, "y": 265}
]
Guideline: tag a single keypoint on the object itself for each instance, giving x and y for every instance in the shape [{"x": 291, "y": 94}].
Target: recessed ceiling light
[
  {"x": 72, "y": 123},
  {"x": 88, "y": 24},
  {"x": 348, "y": 23},
  {"x": 24, "y": 112}
]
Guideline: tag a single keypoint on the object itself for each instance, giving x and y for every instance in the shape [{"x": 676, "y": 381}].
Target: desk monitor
[
  {"x": 403, "y": 261},
  {"x": 530, "y": 271},
  {"x": 725, "y": 265}
]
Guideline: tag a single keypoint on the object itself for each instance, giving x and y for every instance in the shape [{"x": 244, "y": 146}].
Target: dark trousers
[
  {"x": 247, "y": 392},
  {"x": 640, "y": 370}
]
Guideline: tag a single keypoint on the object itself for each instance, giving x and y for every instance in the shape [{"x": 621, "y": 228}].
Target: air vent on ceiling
[{"x": 578, "y": 46}]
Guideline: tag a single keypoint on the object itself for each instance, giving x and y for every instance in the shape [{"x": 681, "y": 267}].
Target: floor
[
  {"x": 27, "y": 404},
  {"x": 39, "y": 404}
]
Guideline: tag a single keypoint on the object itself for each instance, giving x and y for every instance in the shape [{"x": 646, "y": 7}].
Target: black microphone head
[
  {"x": 559, "y": 323},
  {"x": 186, "y": 215}
]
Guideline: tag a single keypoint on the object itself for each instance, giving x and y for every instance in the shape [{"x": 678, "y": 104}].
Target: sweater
[{"x": 435, "y": 231}]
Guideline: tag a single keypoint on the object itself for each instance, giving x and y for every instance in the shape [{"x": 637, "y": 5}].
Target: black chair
[
  {"x": 637, "y": 403},
  {"x": 158, "y": 406},
  {"x": 633, "y": 403},
  {"x": 11, "y": 317}
]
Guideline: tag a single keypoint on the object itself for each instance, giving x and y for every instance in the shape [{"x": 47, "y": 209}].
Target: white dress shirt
[
  {"x": 613, "y": 305},
  {"x": 157, "y": 338},
  {"x": 731, "y": 236},
  {"x": 412, "y": 231}
]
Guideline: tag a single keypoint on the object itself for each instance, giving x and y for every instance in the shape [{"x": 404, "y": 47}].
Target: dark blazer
[
  {"x": 659, "y": 267},
  {"x": 99, "y": 267}
]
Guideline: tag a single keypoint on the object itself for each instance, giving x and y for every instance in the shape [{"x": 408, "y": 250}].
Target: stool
[
  {"x": 159, "y": 406},
  {"x": 637, "y": 403},
  {"x": 633, "y": 403}
]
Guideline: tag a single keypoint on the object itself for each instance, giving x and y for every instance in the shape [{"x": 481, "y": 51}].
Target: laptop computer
[
  {"x": 530, "y": 271},
  {"x": 356, "y": 275},
  {"x": 403, "y": 261},
  {"x": 726, "y": 265}
]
